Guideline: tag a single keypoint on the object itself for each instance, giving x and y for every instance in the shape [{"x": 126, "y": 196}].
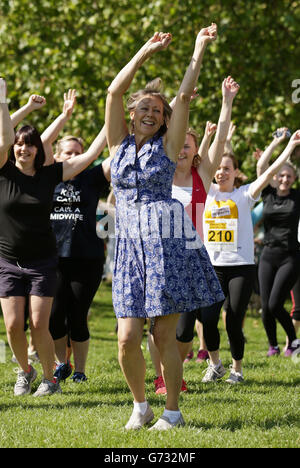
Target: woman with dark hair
[
  {"x": 28, "y": 256},
  {"x": 159, "y": 272}
]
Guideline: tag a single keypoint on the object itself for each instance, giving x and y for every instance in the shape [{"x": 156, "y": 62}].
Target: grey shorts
[{"x": 36, "y": 278}]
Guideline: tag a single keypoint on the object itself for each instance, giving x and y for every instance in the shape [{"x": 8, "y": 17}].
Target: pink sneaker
[
  {"x": 202, "y": 356},
  {"x": 160, "y": 387},
  {"x": 273, "y": 351},
  {"x": 189, "y": 357}
]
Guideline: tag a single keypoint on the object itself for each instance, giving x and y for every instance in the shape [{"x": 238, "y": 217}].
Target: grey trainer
[
  {"x": 47, "y": 388},
  {"x": 164, "y": 424},
  {"x": 235, "y": 377},
  {"x": 214, "y": 373},
  {"x": 24, "y": 381}
]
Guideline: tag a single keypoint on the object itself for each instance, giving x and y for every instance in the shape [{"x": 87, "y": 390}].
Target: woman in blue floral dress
[{"x": 161, "y": 266}]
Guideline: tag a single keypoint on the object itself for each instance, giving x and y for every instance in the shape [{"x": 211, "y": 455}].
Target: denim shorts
[{"x": 36, "y": 278}]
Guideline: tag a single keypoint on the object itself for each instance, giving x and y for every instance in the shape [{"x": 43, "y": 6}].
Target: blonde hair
[
  {"x": 152, "y": 89},
  {"x": 197, "y": 158},
  {"x": 60, "y": 143}
]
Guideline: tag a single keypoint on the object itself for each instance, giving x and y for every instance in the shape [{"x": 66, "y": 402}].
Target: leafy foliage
[{"x": 48, "y": 47}]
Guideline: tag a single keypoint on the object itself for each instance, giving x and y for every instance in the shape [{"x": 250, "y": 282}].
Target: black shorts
[{"x": 36, "y": 278}]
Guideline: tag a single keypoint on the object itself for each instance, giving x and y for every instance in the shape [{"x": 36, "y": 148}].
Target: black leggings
[
  {"x": 296, "y": 300},
  {"x": 78, "y": 282},
  {"x": 278, "y": 272},
  {"x": 209, "y": 317},
  {"x": 237, "y": 283}
]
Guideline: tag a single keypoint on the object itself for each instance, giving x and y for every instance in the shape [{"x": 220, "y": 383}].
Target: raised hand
[
  {"x": 36, "y": 102},
  {"x": 232, "y": 129},
  {"x": 69, "y": 102},
  {"x": 158, "y": 41},
  {"x": 210, "y": 128},
  {"x": 295, "y": 138},
  {"x": 230, "y": 88},
  {"x": 207, "y": 35}
]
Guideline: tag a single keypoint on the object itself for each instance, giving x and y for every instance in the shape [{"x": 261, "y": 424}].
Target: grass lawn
[{"x": 262, "y": 412}]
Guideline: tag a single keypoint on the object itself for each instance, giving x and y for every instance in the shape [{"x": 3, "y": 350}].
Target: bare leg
[
  {"x": 184, "y": 349},
  {"x": 61, "y": 349},
  {"x": 39, "y": 313},
  {"x": 165, "y": 340},
  {"x": 13, "y": 312},
  {"x": 80, "y": 351},
  {"x": 131, "y": 359}
]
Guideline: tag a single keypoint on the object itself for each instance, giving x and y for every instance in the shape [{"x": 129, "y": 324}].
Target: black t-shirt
[
  {"x": 73, "y": 214},
  {"x": 281, "y": 219},
  {"x": 25, "y": 207}
]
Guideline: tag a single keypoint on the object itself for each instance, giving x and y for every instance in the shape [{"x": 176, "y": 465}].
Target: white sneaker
[
  {"x": 24, "y": 381},
  {"x": 138, "y": 420},
  {"x": 164, "y": 424},
  {"x": 47, "y": 388},
  {"x": 214, "y": 373},
  {"x": 235, "y": 377}
]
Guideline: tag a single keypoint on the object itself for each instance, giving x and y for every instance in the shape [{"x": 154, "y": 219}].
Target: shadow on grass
[{"x": 236, "y": 424}]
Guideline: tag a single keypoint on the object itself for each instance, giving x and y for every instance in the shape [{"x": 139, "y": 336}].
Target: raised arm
[
  {"x": 228, "y": 143},
  {"x": 210, "y": 130},
  {"x": 115, "y": 121},
  {"x": 175, "y": 136},
  {"x": 264, "y": 159},
  {"x": 263, "y": 180},
  {"x": 208, "y": 167},
  {"x": 73, "y": 166},
  {"x": 35, "y": 102},
  {"x": 51, "y": 133},
  {"x": 7, "y": 135}
]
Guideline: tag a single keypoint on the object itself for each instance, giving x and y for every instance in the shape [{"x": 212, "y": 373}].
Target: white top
[
  {"x": 228, "y": 229},
  {"x": 183, "y": 194}
]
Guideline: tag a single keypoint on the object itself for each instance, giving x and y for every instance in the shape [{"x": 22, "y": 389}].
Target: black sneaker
[
  {"x": 78, "y": 377},
  {"x": 63, "y": 371}
]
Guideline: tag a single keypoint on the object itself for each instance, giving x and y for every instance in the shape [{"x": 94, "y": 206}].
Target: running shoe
[
  {"x": 79, "y": 377},
  {"x": 48, "y": 388},
  {"x": 164, "y": 424},
  {"x": 202, "y": 356},
  {"x": 33, "y": 356},
  {"x": 160, "y": 387},
  {"x": 183, "y": 386},
  {"x": 213, "y": 373},
  {"x": 290, "y": 349},
  {"x": 24, "y": 381},
  {"x": 273, "y": 351},
  {"x": 138, "y": 420},
  {"x": 235, "y": 377},
  {"x": 63, "y": 371},
  {"x": 189, "y": 357}
]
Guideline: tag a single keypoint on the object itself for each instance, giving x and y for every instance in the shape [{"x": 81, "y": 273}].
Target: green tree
[{"x": 48, "y": 47}]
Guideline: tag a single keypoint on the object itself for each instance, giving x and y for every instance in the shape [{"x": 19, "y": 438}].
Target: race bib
[{"x": 221, "y": 226}]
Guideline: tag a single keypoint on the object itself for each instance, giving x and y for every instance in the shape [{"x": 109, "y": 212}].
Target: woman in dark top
[
  {"x": 279, "y": 262},
  {"x": 27, "y": 243},
  {"x": 81, "y": 257}
]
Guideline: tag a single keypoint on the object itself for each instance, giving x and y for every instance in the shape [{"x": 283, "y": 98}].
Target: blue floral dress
[{"x": 161, "y": 266}]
